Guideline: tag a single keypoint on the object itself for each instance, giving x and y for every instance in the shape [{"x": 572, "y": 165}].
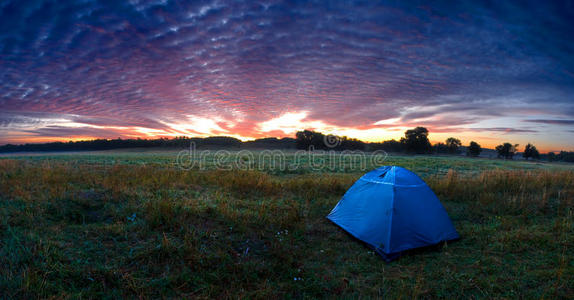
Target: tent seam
[
  {"x": 388, "y": 243},
  {"x": 389, "y": 183}
]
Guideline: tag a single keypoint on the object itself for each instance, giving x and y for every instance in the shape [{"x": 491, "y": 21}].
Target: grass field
[{"x": 132, "y": 224}]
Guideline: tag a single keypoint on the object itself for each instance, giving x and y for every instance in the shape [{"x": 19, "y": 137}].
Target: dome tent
[{"x": 393, "y": 210}]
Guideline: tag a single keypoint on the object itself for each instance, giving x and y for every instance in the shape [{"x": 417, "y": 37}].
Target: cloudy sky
[{"x": 85, "y": 69}]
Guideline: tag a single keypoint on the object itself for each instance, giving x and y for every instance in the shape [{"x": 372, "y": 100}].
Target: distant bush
[
  {"x": 440, "y": 148},
  {"x": 506, "y": 150},
  {"x": 308, "y": 139},
  {"x": 473, "y": 149},
  {"x": 271, "y": 143},
  {"x": 388, "y": 146},
  {"x": 566, "y": 156}
]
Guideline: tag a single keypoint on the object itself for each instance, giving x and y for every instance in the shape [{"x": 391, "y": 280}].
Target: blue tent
[{"x": 393, "y": 210}]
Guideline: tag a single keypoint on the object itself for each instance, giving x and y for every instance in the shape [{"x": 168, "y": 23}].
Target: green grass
[{"x": 133, "y": 225}]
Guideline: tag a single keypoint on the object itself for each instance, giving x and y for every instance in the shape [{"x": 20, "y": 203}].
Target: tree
[
  {"x": 416, "y": 140},
  {"x": 551, "y": 156},
  {"x": 452, "y": 144},
  {"x": 303, "y": 139},
  {"x": 530, "y": 151},
  {"x": 440, "y": 148},
  {"x": 506, "y": 150},
  {"x": 473, "y": 149},
  {"x": 307, "y": 138}
]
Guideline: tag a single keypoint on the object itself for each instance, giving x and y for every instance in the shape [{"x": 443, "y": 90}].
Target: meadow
[{"x": 133, "y": 224}]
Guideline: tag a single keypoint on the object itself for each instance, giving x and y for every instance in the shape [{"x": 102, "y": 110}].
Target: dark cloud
[
  {"x": 151, "y": 63},
  {"x": 63, "y": 131},
  {"x": 504, "y": 130},
  {"x": 553, "y": 122}
]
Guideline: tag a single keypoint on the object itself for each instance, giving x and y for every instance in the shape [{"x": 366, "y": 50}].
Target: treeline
[
  {"x": 312, "y": 140},
  {"x": 222, "y": 142},
  {"x": 111, "y": 144},
  {"x": 415, "y": 141},
  {"x": 562, "y": 156}
]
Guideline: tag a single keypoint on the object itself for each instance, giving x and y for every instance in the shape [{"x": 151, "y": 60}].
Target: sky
[{"x": 489, "y": 72}]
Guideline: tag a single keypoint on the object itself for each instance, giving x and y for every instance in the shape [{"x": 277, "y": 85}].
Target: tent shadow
[
  {"x": 435, "y": 248},
  {"x": 388, "y": 258}
]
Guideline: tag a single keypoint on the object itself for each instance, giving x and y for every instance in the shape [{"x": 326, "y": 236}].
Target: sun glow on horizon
[{"x": 284, "y": 125}]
